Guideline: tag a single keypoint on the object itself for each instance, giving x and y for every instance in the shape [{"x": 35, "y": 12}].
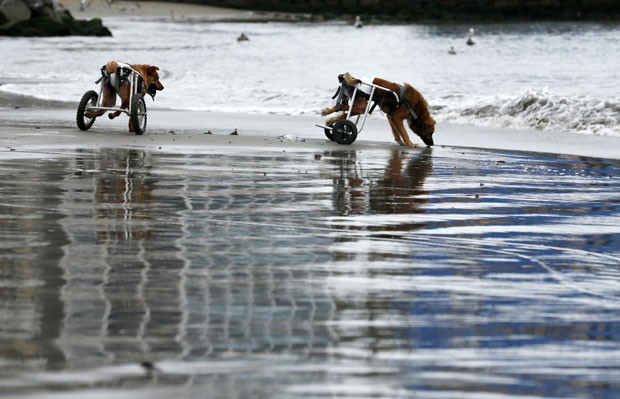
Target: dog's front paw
[{"x": 325, "y": 111}]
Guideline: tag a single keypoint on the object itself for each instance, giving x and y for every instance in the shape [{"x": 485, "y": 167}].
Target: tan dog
[
  {"x": 113, "y": 84},
  {"x": 411, "y": 107}
]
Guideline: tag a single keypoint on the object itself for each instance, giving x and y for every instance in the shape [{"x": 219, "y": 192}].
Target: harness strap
[
  {"x": 103, "y": 75},
  {"x": 374, "y": 105},
  {"x": 338, "y": 91},
  {"x": 411, "y": 111},
  {"x": 380, "y": 101},
  {"x": 403, "y": 100},
  {"x": 114, "y": 78},
  {"x": 341, "y": 94},
  {"x": 403, "y": 91}
]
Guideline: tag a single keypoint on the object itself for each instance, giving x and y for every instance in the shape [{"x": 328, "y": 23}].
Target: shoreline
[
  {"x": 176, "y": 11},
  {"x": 27, "y": 129}
]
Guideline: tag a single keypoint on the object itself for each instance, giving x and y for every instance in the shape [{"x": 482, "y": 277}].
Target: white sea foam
[{"x": 540, "y": 109}]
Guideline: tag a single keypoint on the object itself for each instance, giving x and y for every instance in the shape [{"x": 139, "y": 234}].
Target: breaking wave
[{"x": 538, "y": 109}]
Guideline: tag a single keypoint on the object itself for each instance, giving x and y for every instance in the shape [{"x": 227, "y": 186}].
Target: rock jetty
[{"x": 44, "y": 18}]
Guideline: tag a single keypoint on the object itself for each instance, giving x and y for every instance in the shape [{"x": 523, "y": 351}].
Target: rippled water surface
[{"x": 367, "y": 274}]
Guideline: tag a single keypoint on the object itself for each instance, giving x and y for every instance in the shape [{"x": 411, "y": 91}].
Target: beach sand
[
  {"x": 159, "y": 9},
  {"x": 30, "y": 127}
]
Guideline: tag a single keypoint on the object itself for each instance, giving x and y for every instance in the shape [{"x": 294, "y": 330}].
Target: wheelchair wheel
[
  {"x": 328, "y": 134},
  {"x": 344, "y": 132},
  {"x": 137, "y": 116},
  {"x": 89, "y": 100}
]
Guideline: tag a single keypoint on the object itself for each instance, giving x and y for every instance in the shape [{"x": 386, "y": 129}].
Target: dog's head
[
  {"x": 424, "y": 124},
  {"x": 424, "y": 128},
  {"x": 151, "y": 81}
]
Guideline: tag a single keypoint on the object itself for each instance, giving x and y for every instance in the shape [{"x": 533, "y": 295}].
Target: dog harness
[
  {"x": 402, "y": 99},
  {"x": 345, "y": 91},
  {"x": 122, "y": 74},
  {"x": 115, "y": 78}
]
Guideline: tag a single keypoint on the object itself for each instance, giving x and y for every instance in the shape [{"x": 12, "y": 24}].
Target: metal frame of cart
[
  {"x": 346, "y": 131},
  {"x": 91, "y": 101}
]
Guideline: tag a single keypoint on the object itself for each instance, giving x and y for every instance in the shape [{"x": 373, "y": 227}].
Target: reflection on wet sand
[
  {"x": 163, "y": 279},
  {"x": 398, "y": 191},
  {"x": 30, "y": 246},
  {"x": 124, "y": 193},
  {"x": 108, "y": 219},
  {"x": 375, "y": 271}
]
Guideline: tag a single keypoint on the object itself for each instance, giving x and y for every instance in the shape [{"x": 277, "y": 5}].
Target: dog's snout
[
  {"x": 156, "y": 86},
  {"x": 427, "y": 137}
]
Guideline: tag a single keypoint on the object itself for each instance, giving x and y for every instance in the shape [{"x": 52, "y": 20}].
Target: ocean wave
[{"x": 537, "y": 109}]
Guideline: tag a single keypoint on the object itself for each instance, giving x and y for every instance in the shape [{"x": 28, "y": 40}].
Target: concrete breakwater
[{"x": 439, "y": 9}]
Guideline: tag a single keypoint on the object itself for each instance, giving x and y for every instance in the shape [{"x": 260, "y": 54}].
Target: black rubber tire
[
  {"x": 328, "y": 134},
  {"x": 137, "y": 116},
  {"x": 88, "y": 99},
  {"x": 344, "y": 132}
]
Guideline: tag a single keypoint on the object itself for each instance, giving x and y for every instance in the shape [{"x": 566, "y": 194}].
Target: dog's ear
[{"x": 152, "y": 70}]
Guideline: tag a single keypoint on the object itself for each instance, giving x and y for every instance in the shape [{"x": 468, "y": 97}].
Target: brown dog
[
  {"x": 411, "y": 106},
  {"x": 114, "y": 82}
]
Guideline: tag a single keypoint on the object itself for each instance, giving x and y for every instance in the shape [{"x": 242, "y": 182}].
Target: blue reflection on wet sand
[{"x": 407, "y": 273}]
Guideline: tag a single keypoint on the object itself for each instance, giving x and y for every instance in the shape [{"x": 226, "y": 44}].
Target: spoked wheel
[
  {"x": 344, "y": 132},
  {"x": 137, "y": 117},
  {"x": 89, "y": 100},
  {"x": 328, "y": 134}
]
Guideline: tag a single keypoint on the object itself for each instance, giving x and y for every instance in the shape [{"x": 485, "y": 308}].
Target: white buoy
[
  {"x": 358, "y": 22},
  {"x": 470, "y": 37}
]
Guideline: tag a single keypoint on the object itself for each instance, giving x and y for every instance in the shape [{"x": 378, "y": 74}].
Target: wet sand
[
  {"x": 50, "y": 124},
  {"x": 179, "y": 263}
]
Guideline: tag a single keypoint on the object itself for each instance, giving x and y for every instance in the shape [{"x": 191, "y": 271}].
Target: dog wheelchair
[
  {"x": 346, "y": 131},
  {"x": 92, "y": 101}
]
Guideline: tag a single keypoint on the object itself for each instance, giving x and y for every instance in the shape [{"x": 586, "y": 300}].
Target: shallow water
[{"x": 391, "y": 274}]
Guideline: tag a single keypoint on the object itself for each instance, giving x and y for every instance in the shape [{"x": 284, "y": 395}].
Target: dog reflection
[
  {"x": 400, "y": 190},
  {"x": 124, "y": 197}
]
